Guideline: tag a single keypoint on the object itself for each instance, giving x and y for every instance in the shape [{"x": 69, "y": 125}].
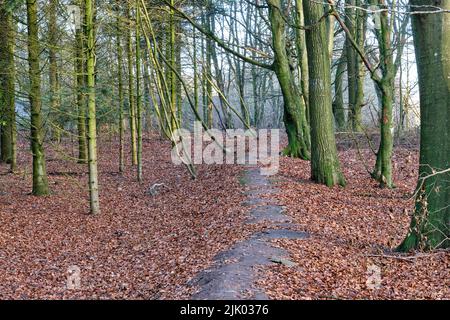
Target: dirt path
[{"x": 233, "y": 274}]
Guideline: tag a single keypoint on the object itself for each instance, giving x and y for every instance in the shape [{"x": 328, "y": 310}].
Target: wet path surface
[{"x": 233, "y": 274}]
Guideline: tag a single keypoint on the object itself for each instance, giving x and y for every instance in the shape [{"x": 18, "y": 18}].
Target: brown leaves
[
  {"x": 139, "y": 247},
  {"x": 348, "y": 225}
]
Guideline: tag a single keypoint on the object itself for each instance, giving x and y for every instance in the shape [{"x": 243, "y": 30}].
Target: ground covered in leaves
[
  {"x": 139, "y": 247},
  {"x": 353, "y": 233},
  {"x": 145, "y": 246}
]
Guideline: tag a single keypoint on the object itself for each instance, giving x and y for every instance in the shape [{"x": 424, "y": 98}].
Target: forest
[{"x": 224, "y": 150}]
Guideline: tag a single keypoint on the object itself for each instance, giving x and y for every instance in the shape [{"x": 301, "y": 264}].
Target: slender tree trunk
[
  {"x": 357, "y": 121},
  {"x": 303, "y": 55},
  {"x": 294, "y": 109},
  {"x": 121, "y": 95},
  {"x": 131, "y": 84},
  {"x": 80, "y": 84},
  {"x": 386, "y": 85},
  {"x": 196, "y": 97},
  {"x": 338, "y": 103},
  {"x": 355, "y": 23},
  {"x": 53, "y": 66},
  {"x": 325, "y": 166},
  {"x": 8, "y": 134},
  {"x": 430, "y": 226},
  {"x": 138, "y": 92},
  {"x": 208, "y": 71},
  {"x": 40, "y": 182},
  {"x": 219, "y": 76},
  {"x": 92, "y": 119}
]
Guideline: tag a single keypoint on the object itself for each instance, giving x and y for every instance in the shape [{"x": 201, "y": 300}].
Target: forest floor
[{"x": 145, "y": 246}]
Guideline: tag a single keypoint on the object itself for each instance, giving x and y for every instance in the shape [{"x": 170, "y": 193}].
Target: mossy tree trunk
[
  {"x": 92, "y": 119},
  {"x": 8, "y": 134},
  {"x": 386, "y": 85},
  {"x": 355, "y": 69},
  {"x": 80, "y": 61},
  {"x": 430, "y": 225},
  {"x": 138, "y": 92},
  {"x": 40, "y": 181},
  {"x": 297, "y": 127},
  {"x": 131, "y": 84},
  {"x": 53, "y": 68},
  {"x": 338, "y": 103},
  {"x": 121, "y": 92},
  {"x": 325, "y": 166},
  {"x": 302, "y": 53}
]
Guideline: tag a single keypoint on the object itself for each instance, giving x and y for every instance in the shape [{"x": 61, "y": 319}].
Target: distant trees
[{"x": 269, "y": 51}]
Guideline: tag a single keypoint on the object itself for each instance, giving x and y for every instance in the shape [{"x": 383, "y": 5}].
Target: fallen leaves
[
  {"x": 139, "y": 247},
  {"x": 350, "y": 227}
]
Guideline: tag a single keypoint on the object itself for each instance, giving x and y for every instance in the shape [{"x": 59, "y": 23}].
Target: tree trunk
[
  {"x": 430, "y": 226},
  {"x": 386, "y": 85},
  {"x": 325, "y": 166},
  {"x": 302, "y": 54},
  {"x": 138, "y": 93},
  {"x": 53, "y": 66},
  {"x": 355, "y": 23},
  {"x": 131, "y": 84},
  {"x": 40, "y": 182},
  {"x": 8, "y": 134},
  {"x": 92, "y": 119},
  {"x": 294, "y": 109},
  {"x": 121, "y": 95},
  {"x": 338, "y": 103},
  {"x": 80, "y": 84}
]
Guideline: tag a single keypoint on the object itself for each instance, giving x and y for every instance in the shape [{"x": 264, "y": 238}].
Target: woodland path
[{"x": 233, "y": 274}]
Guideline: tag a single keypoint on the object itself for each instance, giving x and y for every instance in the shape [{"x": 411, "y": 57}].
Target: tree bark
[
  {"x": 121, "y": 93},
  {"x": 131, "y": 84},
  {"x": 138, "y": 92},
  {"x": 92, "y": 119},
  {"x": 338, "y": 103},
  {"x": 294, "y": 108},
  {"x": 325, "y": 166},
  {"x": 80, "y": 84},
  {"x": 8, "y": 134},
  {"x": 53, "y": 67},
  {"x": 40, "y": 182},
  {"x": 430, "y": 225}
]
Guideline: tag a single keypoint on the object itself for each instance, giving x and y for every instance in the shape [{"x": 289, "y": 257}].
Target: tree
[
  {"x": 40, "y": 181},
  {"x": 138, "y": 92},
  {"x": 8, "y": 134},
  {"x": 92, "y": 120},
  {"x": 430, "y": 225},
  {"x": 338, "y": 102},
  {"x": 294, "y": 108},
  {"x": 120, "y": 88},
  {"x": 355, "y": 21},
  {"x": 325, "y": 166},
  {"x": 384, "y": 84},
  {"x": 53, "y": 62},
  {"x": 80, "y": 87},
  {"x": 131, "y": 84}
]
